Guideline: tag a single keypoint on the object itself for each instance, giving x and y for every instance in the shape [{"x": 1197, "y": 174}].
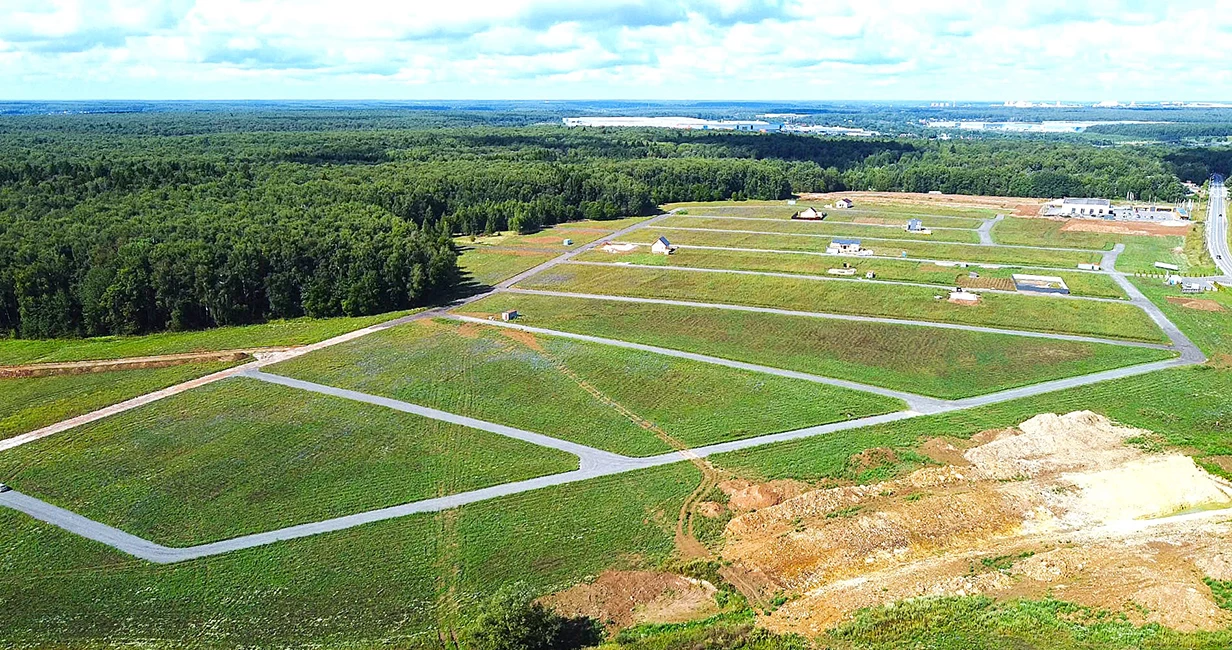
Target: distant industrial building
[{"x": 1085, "y": 207}]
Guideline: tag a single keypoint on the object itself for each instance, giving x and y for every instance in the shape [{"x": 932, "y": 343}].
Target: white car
[{"x": 4, "y": 488}]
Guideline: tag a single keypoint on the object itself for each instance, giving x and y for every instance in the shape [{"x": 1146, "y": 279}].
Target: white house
[
  {"x": 662, "y": 247},
  {"x": 846, "y": 247},
  {"x": 844, "y": 203},
  {"x": 809, "y": 214},
  {"x": 917, "y": 226},
  {"x": 1086, "y": 207}
]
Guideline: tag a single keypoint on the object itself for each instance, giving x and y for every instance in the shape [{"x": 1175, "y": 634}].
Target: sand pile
[
  {"x": 1056, "y": 505},
  {"x": 618, "y": 599}
]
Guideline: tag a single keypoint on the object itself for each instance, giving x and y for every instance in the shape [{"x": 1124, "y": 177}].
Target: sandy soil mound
[
  {"x": 1201, "y": 304},
  {"x": 1156, "y": 229},
  {"x": 745, "y": 496},
  {"x": 1060, "y": 504},
  {"x": 619, "y": 599}
]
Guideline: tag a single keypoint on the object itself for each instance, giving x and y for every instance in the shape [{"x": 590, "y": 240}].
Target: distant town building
[
  {"x": 662, "y": 247},
  {"x": 1085, "y": 207}
]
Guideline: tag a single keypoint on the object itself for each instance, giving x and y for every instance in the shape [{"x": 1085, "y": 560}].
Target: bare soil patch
[
  {"x": 1032, "y": 206},
  {"x": 525, "y": 338},
  {"x": 1201, "y": 304},
  {"x": 130, "y": 363},
  {"x": 619, "y": 599},
  {"x": 745, "y": 496},
  {"x": 1060, "y": 505},
  {"x": 1127, "y": 227},
  {"x": 968, "y": 282}
]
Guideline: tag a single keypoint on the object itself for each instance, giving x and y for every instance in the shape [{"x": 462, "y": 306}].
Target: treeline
[{"x": 110, "y": 234}]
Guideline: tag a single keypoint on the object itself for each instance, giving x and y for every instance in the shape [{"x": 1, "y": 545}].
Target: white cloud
[{"x": 615, "y": 48}]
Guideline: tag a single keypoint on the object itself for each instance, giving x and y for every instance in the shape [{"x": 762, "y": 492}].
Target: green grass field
[
  {"x": 243, "y": 456},
  {"x": 1044, "y": 314},
  {"x": 1210, "y": 330},
  {"x": 300, "y": 331},
  {"x": 1024, "y": 231},
  {"x": 950, "y": 364},
  {"x": 1080, "y": 284},
  {"x": 918, "y": 250},
  {"x": 489, "y": 266},
  {"x": 545, "y": 384},
  {"x": 385, "y": 584},
  {"x": 826, "y": 228},
  {"x": 27, "y": 404}
]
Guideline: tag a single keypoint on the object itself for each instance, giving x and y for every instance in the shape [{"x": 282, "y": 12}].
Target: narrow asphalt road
[
  {"x": 845, "y": 317},
  {"x": 985, "y": 231},
  {"x": 1217, "y": 228}
]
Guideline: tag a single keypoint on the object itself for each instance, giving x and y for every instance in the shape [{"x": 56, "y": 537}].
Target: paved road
[
  {"x": 839, "y": 278},
  {"x": 846, "y": 317},
  {"x": 986, "y": 231},
  {"x": 1180, "y": 342},
  {"x": 1217, "y": 228}
]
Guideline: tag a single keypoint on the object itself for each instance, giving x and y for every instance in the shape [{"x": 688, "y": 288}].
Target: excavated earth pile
[{"x": 1065, "y": 505}]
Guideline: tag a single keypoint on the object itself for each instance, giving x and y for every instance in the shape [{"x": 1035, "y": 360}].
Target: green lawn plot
[
  {"x": 589, "y": 393},
  {"x": 1191, "y": 408},
  {"x": 913, "y": 249},
  {"x": 1205, "y": 318},
  {"x": 490, "y": 265},
  {"x": 1034, "y": 231},
  {"x": 1080, "y": 283},
  {"x": 899, "y": 219},
  {"x": 299, "y": 331},
  {"x": 389, "y": 583},
  {"x": 243, "y": 456},
  {"x": 959, "y": 623},
  {"x": 1036, "y": 313},
  {"x": 31, "y": 403},
  {"x": 950, "y": 364},
  {"x": 1140, "y": 255},
  {"x": 822, "y": 228},
  {"x": 551, "y": 238}
]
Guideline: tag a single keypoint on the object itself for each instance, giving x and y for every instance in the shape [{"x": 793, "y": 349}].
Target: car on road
[{"x": 4, "y": 488}]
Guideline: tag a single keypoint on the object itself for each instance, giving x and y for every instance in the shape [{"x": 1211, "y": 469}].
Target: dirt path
[{"x": 131, "y": 363}]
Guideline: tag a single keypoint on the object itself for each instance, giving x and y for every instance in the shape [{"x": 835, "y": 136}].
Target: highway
[{"x": 1217, "y": 227}]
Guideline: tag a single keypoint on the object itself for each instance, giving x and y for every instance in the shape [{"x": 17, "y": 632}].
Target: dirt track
[{"x": 130, "y": 363}]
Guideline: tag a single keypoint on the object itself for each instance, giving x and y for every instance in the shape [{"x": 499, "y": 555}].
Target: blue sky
[{"x": 617, "y": 49}]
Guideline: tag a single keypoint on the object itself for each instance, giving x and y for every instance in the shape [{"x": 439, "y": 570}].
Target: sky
[{"x": 807, "y": 50}]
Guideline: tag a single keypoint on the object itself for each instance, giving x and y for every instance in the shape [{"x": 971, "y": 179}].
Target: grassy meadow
[
  {"x": 31, "y": 403},
  {"x": 822, "y": 228},
  {"x": 488, "y": 266},
  {"x": 243, "y": 456},
  {"x": 1037, "y": 313},
  {"x": 1209, "y": 330},
  {"x": 391, "y": 583},
  {"x": 547, "y": 385},
  {"x": 1080, "y": 283},
  {"x": 919, "y": 250},
  {"x": 949, "y": 364},
  {"x": 299, "y": 331}
]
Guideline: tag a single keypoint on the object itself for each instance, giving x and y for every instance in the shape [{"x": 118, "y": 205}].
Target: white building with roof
[{"x": 1082, "y": 207}]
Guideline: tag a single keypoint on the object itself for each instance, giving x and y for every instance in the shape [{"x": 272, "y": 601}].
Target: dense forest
[{"x": 117, "y": 224}]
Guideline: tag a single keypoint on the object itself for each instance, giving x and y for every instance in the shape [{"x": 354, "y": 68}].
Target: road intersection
[{"x": 592, "y": 462}]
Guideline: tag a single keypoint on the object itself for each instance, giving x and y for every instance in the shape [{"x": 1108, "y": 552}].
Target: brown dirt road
[{"x": 130, "y": 363}]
